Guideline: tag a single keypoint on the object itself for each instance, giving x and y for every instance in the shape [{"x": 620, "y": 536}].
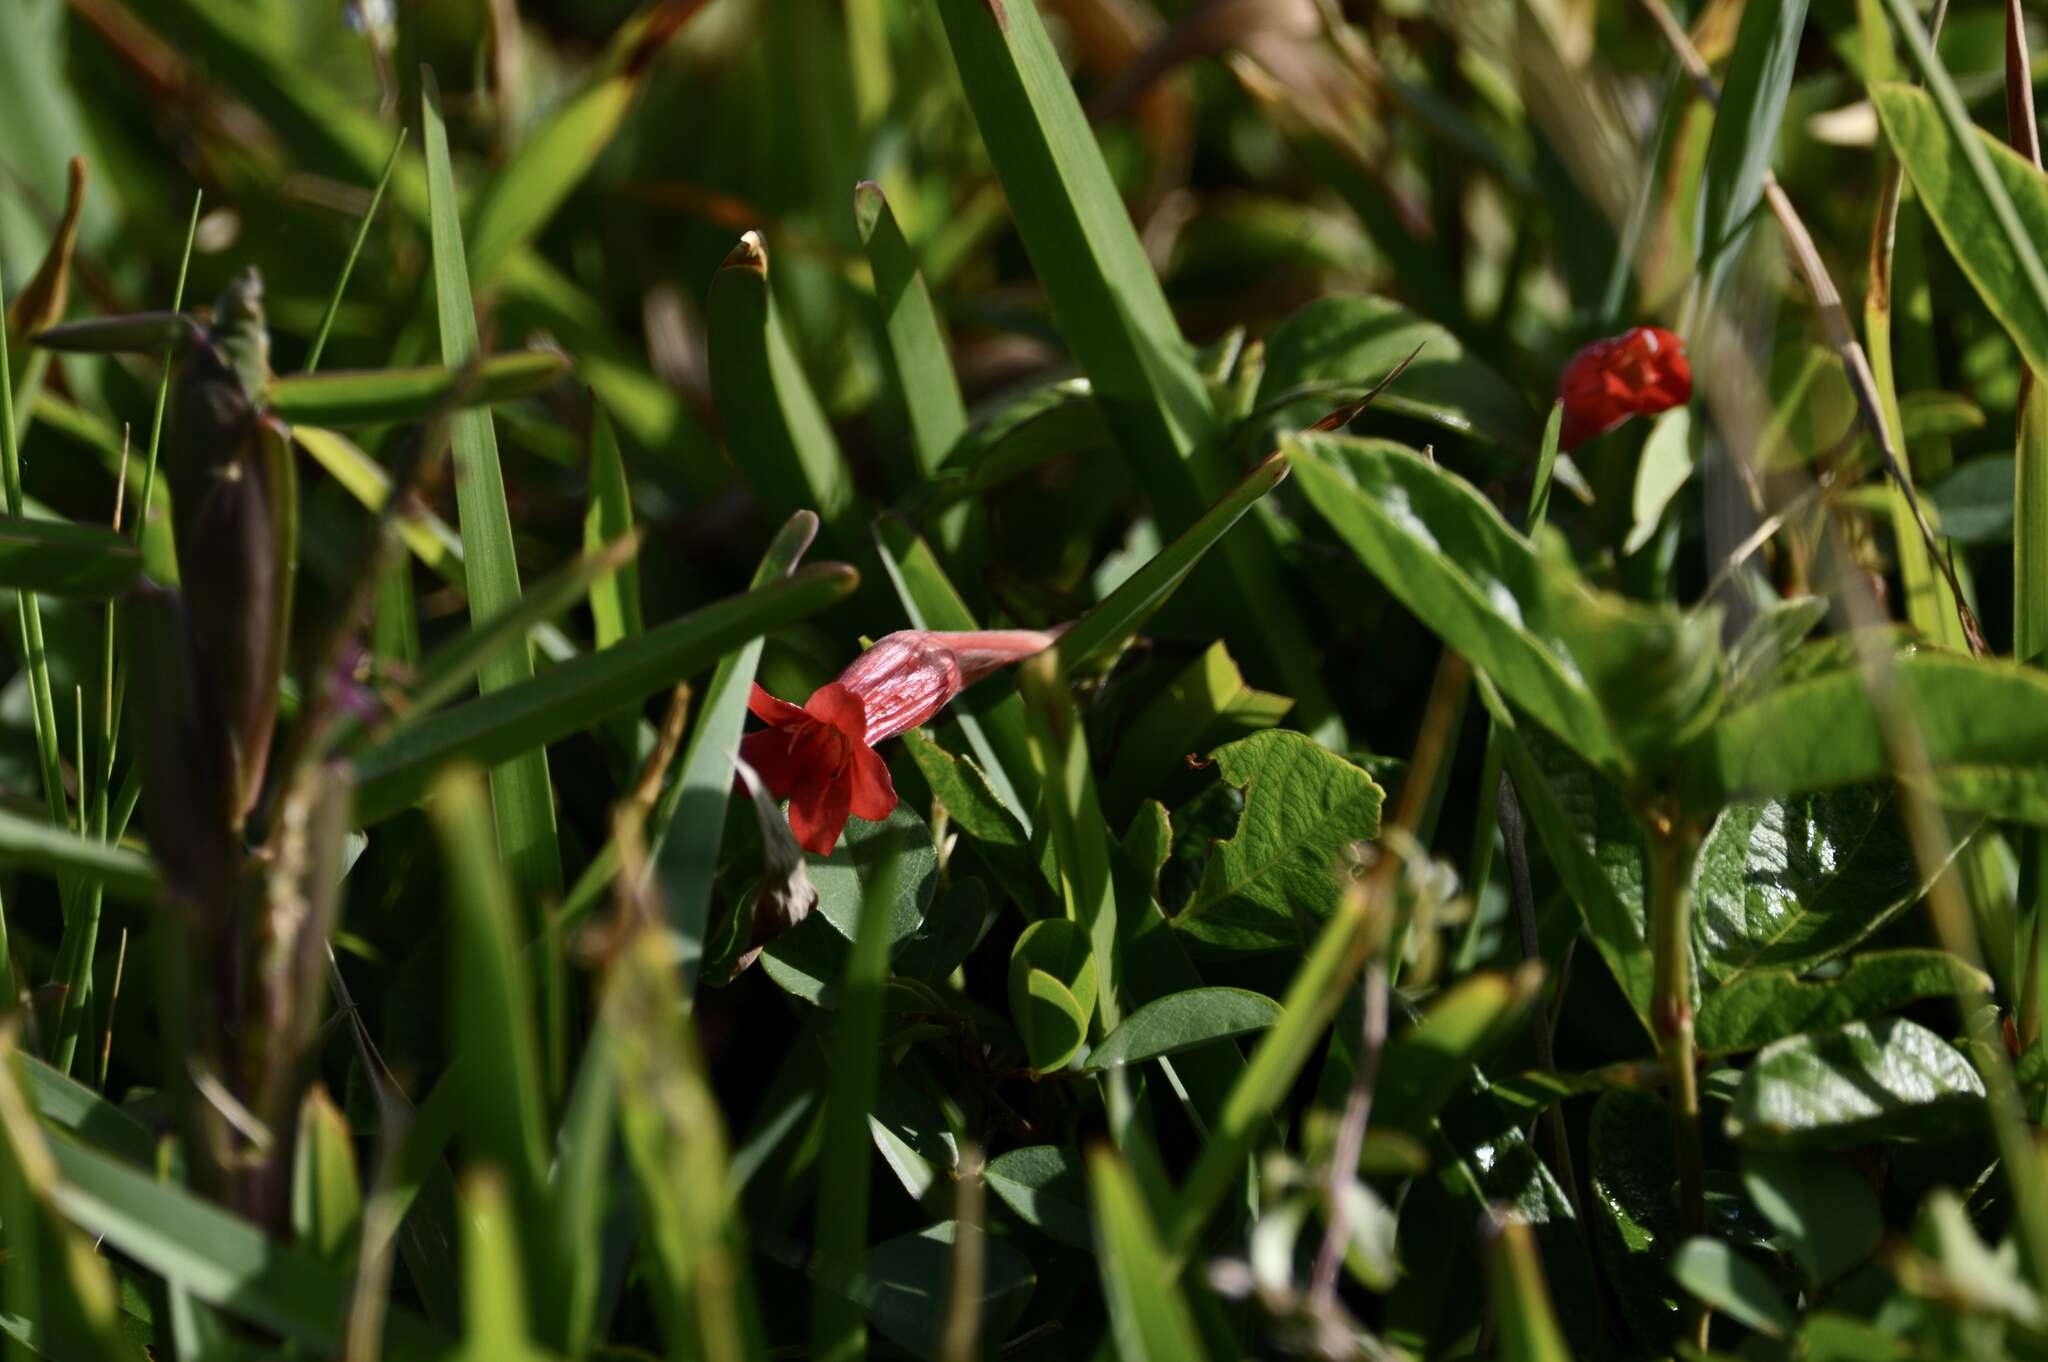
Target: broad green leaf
[
  {"x": 1635, "y": 1209},
  {"x": 685, "y": 850},
  {"x": 1432, "y": 1061},
  {"x": 1665, "y": 467},
  {"x": 1050, "y": 421},
  {"x": 1102, "y": 632},
  {"x": 1764, "y": 1005},
  {"x": 327, "y": 1192},
  {"x": 1984, "y": 724},
  {"x": 1269, "y": 887},
  {"x": 1734, "y": 1285},
  {"x": 1594, "y": 843},
  {"x": 1049, "y": 1018},
  {"x": 522, "y": 801},
  {"x": 1889, "y": 1079},
  {"x": 1182, "y": 1021},
  {"x": 1989, "y": 203},
  {"x": 378, "y": 396},
  {"x": 1335, "y": 349},
  {"x": 34, "y": 845},
  {"x": 1046, "y": 1186},
  {"x": 222, "y": 1260},
  {"x": 61, "y": 558},
  {"x": 911, "y": 1134},
  {"x": 895, "y": 857},
  {"x": 1445, "y": 554},
  {"x": 1745, "y": 135},
  {"x": 1148, "y": 1318},
  {"x": 840, "y": 1242},
  {"x": 567, "y": 697},
  {"x": 1114, "y": 315},
  {"x": 908, "y": 1289},
  {"x": 774, "y": 424},
  {"x": 1207, "y": 705},
  {"x": 949, "y": 933},
  {"x": 1052, "y": 991},
  {"x": 917, "y": 345},
  {"x": 1794, "y": 882},
  {"x": 1975, "y": 503},
  {"x": 1824, "y": 1209}
]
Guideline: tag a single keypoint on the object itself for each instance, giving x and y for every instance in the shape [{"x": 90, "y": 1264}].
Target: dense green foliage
[{"x": 1427, "y": 892}]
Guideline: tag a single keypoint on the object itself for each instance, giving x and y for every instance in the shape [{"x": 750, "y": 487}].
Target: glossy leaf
[
  {"x": 1825, "y": 1210},
  {"x": 1634, "y": 1209},
  {"x": 1890, "y": 1079},
  {"x": 1795, "y": 882},
  {"x": 1182, "y": 1021},
  {"x": 1270, "y": 885},
  {"x": 1989, "y": 204},
  {"x": 1046, "y": 1185},
  {"x": 1733, "y": 1284},
  {"x": 1764, "y": 1005},
  {"x": 909, "y": 1281}
]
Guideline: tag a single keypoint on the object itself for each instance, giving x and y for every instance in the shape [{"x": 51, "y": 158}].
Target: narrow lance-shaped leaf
[
  {"x": 1113, "y": 313},
  {"x": 566, "y": 697},
  {"x": 684, "y": 850},
  {"x": 917, "y": 346},
  {"x": 774, "y": 424},
  {"x": 60, "y": 558},
  {"x": 381, "y": 396},
  {"x": 521, "y": 796}
]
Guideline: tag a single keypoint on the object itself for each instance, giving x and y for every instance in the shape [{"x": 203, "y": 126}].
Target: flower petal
[
  {"x": 776, "y": 711},
  {"x": 874, "y": 793},
  {"x": 817, "y": 812},
  {"x": 773, "y": 755},
  {"x": 836, "y": 706}
]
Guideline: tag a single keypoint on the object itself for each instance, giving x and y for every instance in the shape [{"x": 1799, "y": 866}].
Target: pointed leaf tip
[
  {"x": 750, "y": 254},
  {"x": 868, "y": 205}
]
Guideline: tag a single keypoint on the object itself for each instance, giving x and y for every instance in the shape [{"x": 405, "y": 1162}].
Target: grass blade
[
  {"x": 222, "y": 1260},
  {"x": 1113, "y": 312},
  {"x": 62, "y": 558},
  {"x": 496, "y": 1034},
  {"x": 355, "y": 249},
  {"x": 377, "y": 396},
  {"x": 917, "y": 344},
  {"x": 777, "y": 430},
  {"x": 35, "y": 845},
  {"x": 838, "y": 1321},
  {"x": 1100, "y": 633},
  {"x": 684, "y": 850},
  {"x": 521, "y": 797},
  {"x": 1745, "y": 132},
  {"x": 1148, "y": 1316},
  {"x": 567, "y": 697}
]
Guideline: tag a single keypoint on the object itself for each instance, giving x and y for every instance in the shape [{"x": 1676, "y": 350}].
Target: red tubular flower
[
  {"x": 1638, "y": 373},
  {"x": 822, "y": 757}
]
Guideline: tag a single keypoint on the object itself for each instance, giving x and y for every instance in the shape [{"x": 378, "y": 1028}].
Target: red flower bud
[
  {"x": 822, "y": 757},
  {"x": 1638, "y": 373}
]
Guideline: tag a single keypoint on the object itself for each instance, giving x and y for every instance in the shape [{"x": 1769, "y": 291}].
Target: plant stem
[{"x": 1673, "y": 844}]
